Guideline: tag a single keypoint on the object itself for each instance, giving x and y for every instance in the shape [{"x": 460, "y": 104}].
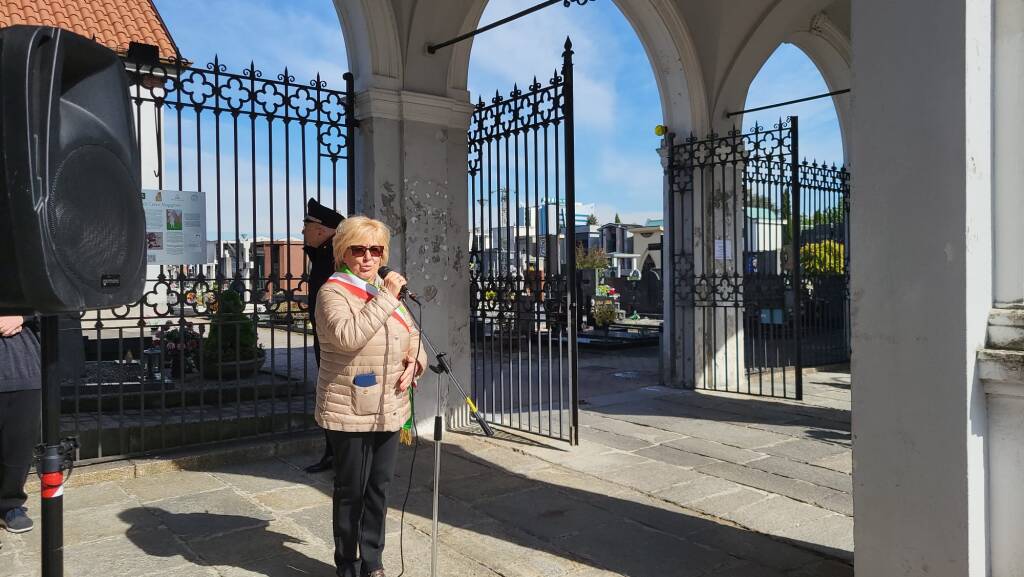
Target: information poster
[
  {"x": 723, "y": 249},
  {"x": 175, "y": 226}
]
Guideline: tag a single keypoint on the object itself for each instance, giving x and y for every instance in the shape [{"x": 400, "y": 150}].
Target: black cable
[{"x": 415, "y": 448}]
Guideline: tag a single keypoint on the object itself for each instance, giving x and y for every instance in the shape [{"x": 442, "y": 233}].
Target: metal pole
[
  {"x": 797, "y": 276},
  {"x": 570, "y": 234},
  {"x": 438, "y": 431},
  {"x": 443, "y": 367},
  {"x": 442, "y": 364},
  {"x": 435, "y": 47},
  {"x": 670, "y": 323},
  {"x": 788, "y": 102},
  {"x": 350, "y": 129},
  {"x": 50, "y": 455}
]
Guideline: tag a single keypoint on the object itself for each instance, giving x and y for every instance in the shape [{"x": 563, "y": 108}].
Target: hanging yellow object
[{"x": 661, "y": 130}]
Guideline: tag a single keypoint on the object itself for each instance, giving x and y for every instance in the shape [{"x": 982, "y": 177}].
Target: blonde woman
[{"x": 370, "y": 354}]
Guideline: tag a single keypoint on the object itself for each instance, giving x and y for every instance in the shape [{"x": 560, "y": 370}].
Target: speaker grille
[{"x": 93, "y": 221}]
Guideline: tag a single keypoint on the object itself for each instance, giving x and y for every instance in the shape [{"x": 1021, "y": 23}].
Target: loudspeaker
[{"x": 72, "y": 227}]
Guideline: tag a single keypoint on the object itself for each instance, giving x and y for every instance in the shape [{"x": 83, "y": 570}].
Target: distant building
[
  {"x": 583, "y": 212},
  {"x": 617, "y": 242},
  {"x": 647, "y": 241}
]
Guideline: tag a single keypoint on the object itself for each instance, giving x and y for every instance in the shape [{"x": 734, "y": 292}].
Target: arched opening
[
  {"x": 617, "y": 103},
  {"x": 789, "y": 74},
  {"x": 619, "y": 186},
  {"x": 796, "y": 226}
]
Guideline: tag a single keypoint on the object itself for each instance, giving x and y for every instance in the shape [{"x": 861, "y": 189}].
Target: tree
[
  {"x": 595, "y": 259},
  {"x": 823, "y": 258},
  {"x": 591, "y": 220},
  {"x": 617, "y": 219}
]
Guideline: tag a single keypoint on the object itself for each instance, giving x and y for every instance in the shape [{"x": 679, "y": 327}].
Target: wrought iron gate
[
  {"x": 523, "y": 317},
  {"x": 220, "y": 350},
  {"x": 761, "y": 266}
]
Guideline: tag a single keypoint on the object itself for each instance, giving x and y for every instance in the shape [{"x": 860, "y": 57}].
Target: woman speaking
[{"x": 370, "y": 354}]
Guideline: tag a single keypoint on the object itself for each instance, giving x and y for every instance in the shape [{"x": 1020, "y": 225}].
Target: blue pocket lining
[{"x": 365, "y": 380}]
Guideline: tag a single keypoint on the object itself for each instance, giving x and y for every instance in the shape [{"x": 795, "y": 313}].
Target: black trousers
[
  {"x": 364, "y": 464},
  {"x": 19, "y": 434}
]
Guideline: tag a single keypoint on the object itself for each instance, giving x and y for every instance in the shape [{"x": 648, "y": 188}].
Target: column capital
[{"x": 416, "y": 106}]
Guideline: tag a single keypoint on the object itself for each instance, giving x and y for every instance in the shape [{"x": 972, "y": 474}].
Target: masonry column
[
  {"x": 921, "y": 284},
  {"x": 411, "y": 174},
  {"x": 1008, "y": 132},
  {"x": 1002, "y": 363}
]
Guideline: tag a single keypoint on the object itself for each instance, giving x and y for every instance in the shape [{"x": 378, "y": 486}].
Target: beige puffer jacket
[{"x": 359, "y": 337}]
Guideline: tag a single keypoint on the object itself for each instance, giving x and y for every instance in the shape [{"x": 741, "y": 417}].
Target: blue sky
[{"x": 617, "y": 104}]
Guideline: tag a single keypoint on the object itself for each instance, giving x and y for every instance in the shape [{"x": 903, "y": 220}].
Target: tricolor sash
[{"x": 367, "y": 291}]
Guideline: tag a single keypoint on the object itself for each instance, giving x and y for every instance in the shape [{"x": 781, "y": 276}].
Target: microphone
[{"x": 384, "y": 271}]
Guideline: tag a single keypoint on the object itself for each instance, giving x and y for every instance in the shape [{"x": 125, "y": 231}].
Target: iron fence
[
  {"x": 762, "y": 273},
  {"x": 217, "y": 349},
  {"x": 522, "y": 313}
]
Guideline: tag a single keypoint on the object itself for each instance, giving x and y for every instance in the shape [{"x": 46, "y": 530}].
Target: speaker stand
[{"x": 54, "y": 456}]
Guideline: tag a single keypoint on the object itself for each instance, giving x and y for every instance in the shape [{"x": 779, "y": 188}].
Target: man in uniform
[{"x": 318, "y": 235}]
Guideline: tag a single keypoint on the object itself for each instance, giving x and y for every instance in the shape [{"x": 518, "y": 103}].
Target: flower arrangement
[
  {"x": 181, "y": 346},
  {"x": 607, "y": 291}
]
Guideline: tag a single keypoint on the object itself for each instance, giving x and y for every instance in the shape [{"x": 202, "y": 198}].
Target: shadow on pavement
[
  {"x": 225, "y": 541},
  {"x": 523, "y": 524}
]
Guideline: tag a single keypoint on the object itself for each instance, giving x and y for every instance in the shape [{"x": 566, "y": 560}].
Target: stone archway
[
  {"x": 672, "y": 54},
  {"x": 670, "y": 50},
  {"x": 370, "y": 32},
  {"x": 825, "y": 43}
]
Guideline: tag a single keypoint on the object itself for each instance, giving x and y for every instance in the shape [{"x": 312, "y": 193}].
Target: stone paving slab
[
  {"x": 777, "y": 514},
  {"x": 653, "y": 476},
  {"x": 797, "y": 489},
  {"x": 804, "y": 450},
  {"x": 715, "y": 450},
  {"x": 842, "y": 463},
  {"x": 684, "y": 459},
  {"x": 615, "y": 440},
  {"x": 809, "y": 473}
]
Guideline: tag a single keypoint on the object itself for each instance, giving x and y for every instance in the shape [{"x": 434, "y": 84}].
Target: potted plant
[
  {"x": 605, "y": 313},
  {"x": 231, "y": 351},
  {"x": 181, "y": 348}
]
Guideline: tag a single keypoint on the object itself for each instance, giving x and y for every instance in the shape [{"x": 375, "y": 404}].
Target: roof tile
[{"x": 113, "y": 24}]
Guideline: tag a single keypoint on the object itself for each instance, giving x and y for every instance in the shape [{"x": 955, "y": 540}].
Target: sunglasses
[{"x": 358, "y": 251}]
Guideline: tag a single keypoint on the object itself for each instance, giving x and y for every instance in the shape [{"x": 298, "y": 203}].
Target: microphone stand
[{"x": 442, "y": 367}]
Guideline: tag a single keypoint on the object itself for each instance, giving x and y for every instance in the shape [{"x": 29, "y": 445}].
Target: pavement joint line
[
  {"x": 798, "y": 478},
  {"x": 798, "y": 500},
  {"x": 805, "y": 480}
]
